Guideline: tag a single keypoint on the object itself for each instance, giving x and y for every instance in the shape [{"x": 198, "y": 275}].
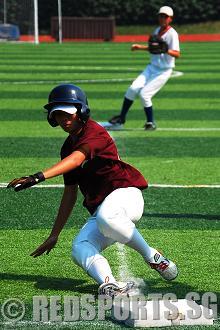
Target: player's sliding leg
[
  {"x": 115, "y": 219},
  {"x": 86, "y": 252},
  {"x": 87, "y": 256},
  {"x": 166, "y": 268}
]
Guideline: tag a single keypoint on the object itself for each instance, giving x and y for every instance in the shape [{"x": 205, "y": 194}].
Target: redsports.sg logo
[{"x": 87, "y": 307}]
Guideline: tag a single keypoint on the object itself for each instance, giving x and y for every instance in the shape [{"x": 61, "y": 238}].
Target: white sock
[
  {"x": 100, "y": 271},
  {"x": 138, "y": 243}
]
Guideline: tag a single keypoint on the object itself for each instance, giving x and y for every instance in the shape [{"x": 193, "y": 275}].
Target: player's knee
[
  {"x": 131, "y": 93},
  {"x": 111, "y": 227},
  {"x": 76, "y": 255},
  {"x": 83, "y": 254},
  {"x": 104, "y": 225}
]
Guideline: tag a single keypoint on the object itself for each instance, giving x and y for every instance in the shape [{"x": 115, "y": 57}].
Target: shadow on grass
[
  {"x": 183, "y": 216},
  {"x": 79, "y": 285},
  {"x": 161, "y": 287},
  {"x": 53, "y": 283}
]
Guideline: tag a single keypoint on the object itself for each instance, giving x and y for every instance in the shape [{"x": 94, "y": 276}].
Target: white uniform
[{"x": 156, "y": 74}]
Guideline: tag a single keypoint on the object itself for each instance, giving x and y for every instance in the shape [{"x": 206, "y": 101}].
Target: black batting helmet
[{"x": 67, "y": 94}]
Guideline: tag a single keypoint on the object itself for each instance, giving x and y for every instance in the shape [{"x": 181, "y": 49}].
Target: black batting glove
[{"x": 26, "y": 181}]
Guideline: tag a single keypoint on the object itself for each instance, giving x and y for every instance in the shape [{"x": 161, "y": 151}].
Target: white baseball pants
[
  {"x": 113, "y": 221},
  {"x": 148, "y": 83}
]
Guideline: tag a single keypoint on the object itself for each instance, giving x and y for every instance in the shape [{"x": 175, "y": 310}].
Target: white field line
[
  {"x": 54, "y": 325},
  {"x": 39, "y": 82},
  {"x": 189, "y": 129},
  {"x": 107, "y": 80},
  {"x": 124, "y": 272},
  {"x": 153, "y": 185},
  {"x": 169, "y": 129},
  {"x": 176, "y": 74}
]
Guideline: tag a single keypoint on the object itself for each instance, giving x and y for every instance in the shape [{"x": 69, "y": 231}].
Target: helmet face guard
[{"x": 67, "y": 94}]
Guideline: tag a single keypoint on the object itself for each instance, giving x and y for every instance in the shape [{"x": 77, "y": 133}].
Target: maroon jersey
[{"x": 103, "y": 171}]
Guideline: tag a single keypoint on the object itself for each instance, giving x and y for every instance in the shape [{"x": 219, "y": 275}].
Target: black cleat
[
  {"x": 117, "y": 120},
  {"x": 149, "y": 126}
]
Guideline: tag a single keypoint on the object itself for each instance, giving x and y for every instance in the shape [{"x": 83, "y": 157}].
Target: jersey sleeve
[{"x": 174, "y": 42}]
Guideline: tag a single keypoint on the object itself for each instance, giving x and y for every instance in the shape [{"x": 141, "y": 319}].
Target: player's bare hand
[
  {"x": 135, "y": 47},
  {"x": 47, "y": 246}
]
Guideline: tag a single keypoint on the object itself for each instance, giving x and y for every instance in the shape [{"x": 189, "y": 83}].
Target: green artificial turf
[{"x": 183, "y": 223}]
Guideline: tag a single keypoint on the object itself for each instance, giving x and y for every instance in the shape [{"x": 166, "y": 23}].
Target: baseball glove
[{"x": 156, "y": 45}]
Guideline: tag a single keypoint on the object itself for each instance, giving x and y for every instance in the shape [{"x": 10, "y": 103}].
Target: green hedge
[{"x": 128, "y": 12}]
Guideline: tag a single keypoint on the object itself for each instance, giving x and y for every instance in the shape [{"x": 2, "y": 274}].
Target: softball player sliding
[
  {"x": 111, "y": 190},
  {"x": 155, "y": 75}
]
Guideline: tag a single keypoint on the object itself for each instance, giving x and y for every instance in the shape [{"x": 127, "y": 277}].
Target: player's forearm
[
  {"x": 143, "y": 47},
  {"x": 139, "y": 47},
  {"x": 66, "y": 206},
  {"x": 67, "y": 164},
  {"x": 173, "y": 53}
]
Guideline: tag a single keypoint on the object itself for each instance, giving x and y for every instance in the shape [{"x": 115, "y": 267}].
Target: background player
[
  {"x": 111, "y": 190},
  {"x": 155, "y": 75}
]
